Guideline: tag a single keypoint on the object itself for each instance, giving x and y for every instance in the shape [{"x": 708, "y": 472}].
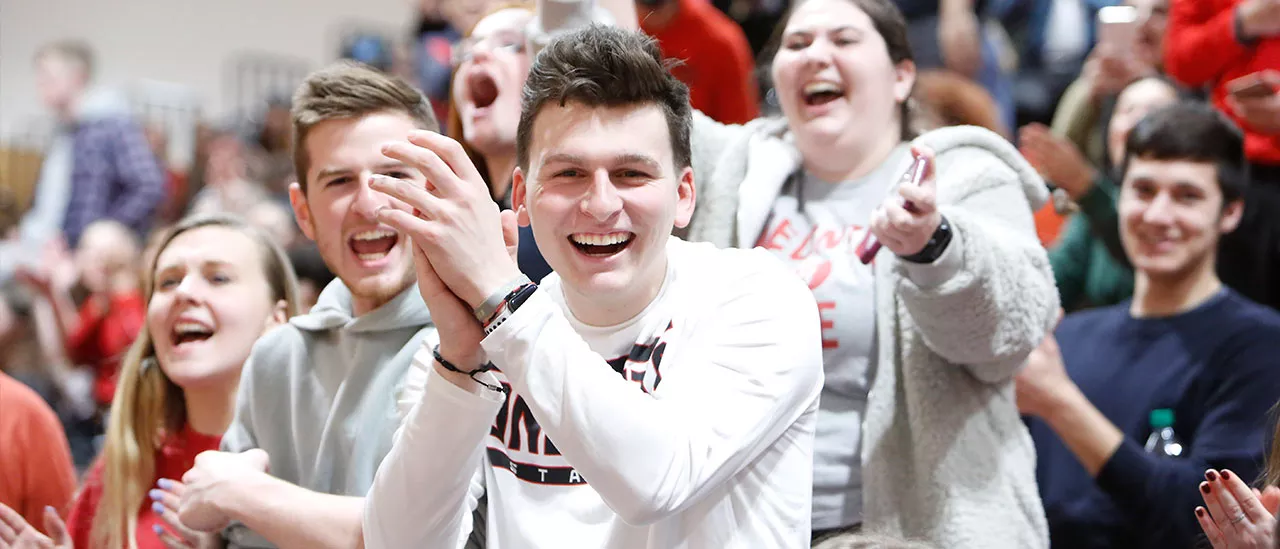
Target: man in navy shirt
[{"x": 1184, "y": 342}]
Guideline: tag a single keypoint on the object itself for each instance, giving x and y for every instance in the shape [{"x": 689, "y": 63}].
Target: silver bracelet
[{"x": 490, "y": 306}]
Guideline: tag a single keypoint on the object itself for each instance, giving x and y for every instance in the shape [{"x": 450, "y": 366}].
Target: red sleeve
[
  {"x": 80, "y": 522},
  {"x": 47, "y": 458},
  {"x": 1200, "y": 43},
  {"x": 82, "y": 343},
  {"x": 736, "y": 96},
  {"x": 124, "y": 321}
]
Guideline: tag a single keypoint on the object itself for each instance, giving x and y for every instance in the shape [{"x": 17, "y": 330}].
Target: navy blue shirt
[
  {"x": 1216, "y": 366},
  {"x": 529, "y": 258}
]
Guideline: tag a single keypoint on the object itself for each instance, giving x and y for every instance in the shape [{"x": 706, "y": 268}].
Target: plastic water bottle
[{"x": 1163, "y": 441}]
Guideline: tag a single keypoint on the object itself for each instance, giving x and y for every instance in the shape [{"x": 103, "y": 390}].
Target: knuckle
[{"x": 452, "y": 146}]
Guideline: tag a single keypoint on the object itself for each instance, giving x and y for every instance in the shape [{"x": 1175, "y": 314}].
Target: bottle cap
[{"x": 1161, "y": 418}]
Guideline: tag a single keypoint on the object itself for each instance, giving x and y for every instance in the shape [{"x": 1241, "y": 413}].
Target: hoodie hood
[
  {"x": 333, "y": 311},
  {"x": 961, "y": 150},
  {"x": 740, "y": 173}
]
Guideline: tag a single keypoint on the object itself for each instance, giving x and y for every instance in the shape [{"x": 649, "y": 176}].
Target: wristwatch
[
  {"x": 509, "y": 305},
  {"x": 936, "y": 246},
  {"x": 491, "y": 304}
]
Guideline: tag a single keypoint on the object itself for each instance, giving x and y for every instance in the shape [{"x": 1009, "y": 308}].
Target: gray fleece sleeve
[{"x": 1001, "y": 302}]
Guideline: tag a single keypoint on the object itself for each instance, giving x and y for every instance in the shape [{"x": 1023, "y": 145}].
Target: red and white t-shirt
[{"x": 815, "y": 226}]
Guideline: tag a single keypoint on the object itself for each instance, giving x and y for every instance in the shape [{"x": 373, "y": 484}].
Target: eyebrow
[
  {"x": 203, "y": 264},
  {"x": 810, "y": 30},
  {"x": 625, "y": 158},
  {"x": 1177, "y": 184},
  {"x": 335, "y": 171}
]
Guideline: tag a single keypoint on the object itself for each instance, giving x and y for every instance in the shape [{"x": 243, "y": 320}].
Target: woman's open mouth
[{"x": 483, "y": 90}]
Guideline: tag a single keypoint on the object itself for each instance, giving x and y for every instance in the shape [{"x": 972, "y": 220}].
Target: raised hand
[
  {"x": 1262, "y": 113},
  {"x": 460, "y": 331},
  {"x": 458, "y": 226},
  {"x": 1057, "y": 159},
  {"x": 1235, "y": 516},
  {"x": 15, "y": 533},
  {"x": 906, "y": 230},
  {"x": 1260, "y": 18},
  {"x": 960, "y": 35},
  {"x": 56, "y": 271}
]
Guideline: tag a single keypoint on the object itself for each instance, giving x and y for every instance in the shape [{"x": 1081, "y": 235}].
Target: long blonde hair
[{"x": 147, "y": 405}]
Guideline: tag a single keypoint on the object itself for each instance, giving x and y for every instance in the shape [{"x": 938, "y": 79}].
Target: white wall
[{"x": 184, "y": 42}]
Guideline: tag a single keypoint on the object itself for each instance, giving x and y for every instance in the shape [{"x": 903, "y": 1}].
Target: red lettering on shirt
[
  {"x": 802, "y": 251},
  {"x": 776, "y": 239},
  {"x": 827, "y": 325},
  {"x": 830, "y": 239}
]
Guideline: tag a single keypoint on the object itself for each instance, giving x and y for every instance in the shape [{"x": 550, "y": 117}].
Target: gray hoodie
[{"x": 318, "y": 394}]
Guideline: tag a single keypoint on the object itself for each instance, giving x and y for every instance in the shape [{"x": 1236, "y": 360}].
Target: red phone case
[{"x": 869, "y": 246}]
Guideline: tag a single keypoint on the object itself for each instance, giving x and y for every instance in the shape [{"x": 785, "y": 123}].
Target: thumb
[
  {"x": 1270, "y": 76},
  {"x": 926, "y": 154},
  {"x": 510, "y": 233},
  {"x": 1271, "y": 499},
  {"x": 56, "y": 529}
]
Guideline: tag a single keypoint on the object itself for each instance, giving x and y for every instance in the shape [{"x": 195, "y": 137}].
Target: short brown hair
[
  {"x": 75, "y": 51},
  {"x": 603, "y": 66},
  {"x": 347, "y": 89}
]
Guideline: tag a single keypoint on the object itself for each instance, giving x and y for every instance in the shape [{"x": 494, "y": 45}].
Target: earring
[{"x": 147, "y": 364}]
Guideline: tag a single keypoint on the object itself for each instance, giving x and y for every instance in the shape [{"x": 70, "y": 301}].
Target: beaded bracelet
[{"x": 488, "y": 366}]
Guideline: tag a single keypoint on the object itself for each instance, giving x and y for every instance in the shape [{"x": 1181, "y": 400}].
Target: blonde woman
[{"x": 215, "y": 285}]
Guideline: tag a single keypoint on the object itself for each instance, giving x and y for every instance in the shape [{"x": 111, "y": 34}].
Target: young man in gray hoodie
[{"x": 316, "y": 408}]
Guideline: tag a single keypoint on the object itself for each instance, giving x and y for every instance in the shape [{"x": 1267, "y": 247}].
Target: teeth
[
  {"x": 371, "y": 257},
  {"x": 820, "y": 87},
  {"x": 601, "y": 239},
  {"x": 187, "y": 328},
  {"x": 374, "y": 235}
]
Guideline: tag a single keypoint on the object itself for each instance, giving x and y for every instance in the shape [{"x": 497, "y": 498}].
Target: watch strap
[
  {"x": 490, "y": 306},
  {"x": 936, "y": 246}
]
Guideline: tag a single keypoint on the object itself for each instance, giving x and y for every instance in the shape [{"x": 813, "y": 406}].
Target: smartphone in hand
[
  {"x": 867, "y": 249},
  {"x": 1118, "y": 28}
]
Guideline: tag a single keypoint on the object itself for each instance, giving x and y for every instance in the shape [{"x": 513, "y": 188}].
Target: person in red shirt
[
  {"x": 37, "y": 472},
  {"x": 99, "y": 333},
  {"x": 216, "y": 284},
  {"x": 1213, "y": 43},
  {"x": 718, "y": 67}
]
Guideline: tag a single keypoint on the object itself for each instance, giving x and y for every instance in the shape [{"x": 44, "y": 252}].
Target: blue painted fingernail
[
  {"x": 164, "y": 484},
  {"x": 156, "y": 495},
  {"x": 157, "y": 528},
  {"x": 158, "y": 508}
]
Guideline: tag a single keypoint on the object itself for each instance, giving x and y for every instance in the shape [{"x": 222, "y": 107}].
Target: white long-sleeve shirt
[{"x": 688, "y": 426}]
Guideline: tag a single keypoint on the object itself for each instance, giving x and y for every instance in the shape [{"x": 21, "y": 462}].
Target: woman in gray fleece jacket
[{"x": 918, "y": 433}]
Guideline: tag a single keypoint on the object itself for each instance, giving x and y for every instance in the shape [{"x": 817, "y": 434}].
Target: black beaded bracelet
[{"x": 488, "y": 366}]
